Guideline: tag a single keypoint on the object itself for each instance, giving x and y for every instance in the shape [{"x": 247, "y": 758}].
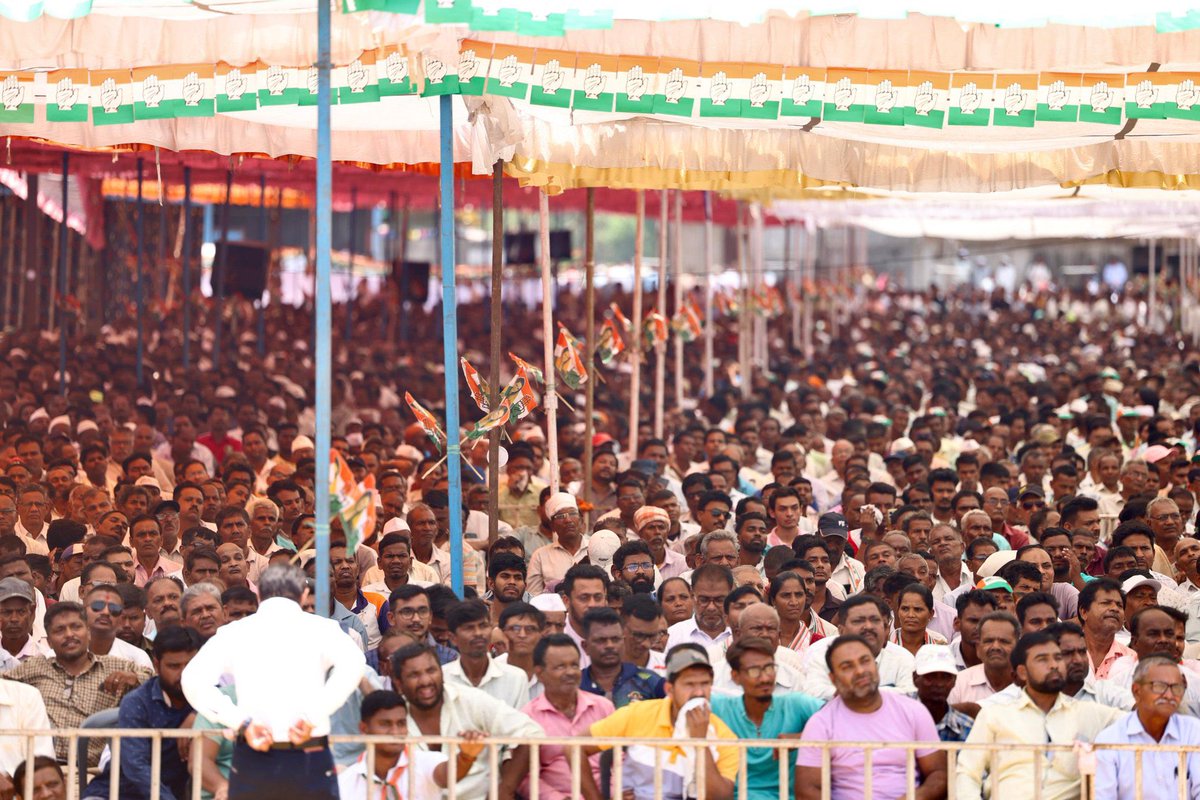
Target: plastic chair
[{"x": 101, "y": 719}]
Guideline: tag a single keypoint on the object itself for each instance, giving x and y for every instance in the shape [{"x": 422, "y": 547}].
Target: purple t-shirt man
[{"x": 899, "y": 719}]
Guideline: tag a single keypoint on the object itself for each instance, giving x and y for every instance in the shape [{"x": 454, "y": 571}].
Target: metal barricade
[{"x": 576, "y": 753}]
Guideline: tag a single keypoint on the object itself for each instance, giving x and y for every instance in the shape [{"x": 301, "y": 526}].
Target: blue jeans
[{"x": 282, "y": 774}]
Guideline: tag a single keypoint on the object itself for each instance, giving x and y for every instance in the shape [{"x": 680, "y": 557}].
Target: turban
[{"x": 647, "y": 514}]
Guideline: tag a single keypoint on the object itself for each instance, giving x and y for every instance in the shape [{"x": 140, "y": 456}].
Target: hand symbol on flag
[
  {"x": 277, "y": 81},
  {"x": 235, "y": 84},
  {"x": 675, "y": 86},
  {"x": 110, "y": 96},
  {"x": 356, "y": 76},
  {"x": 65, "y": 94},
  {"x": 468, "y": 66},
  {"x": 760, "y": 90},
  {"x": 396, "y": 67},
  {"x": 1144, "y": 95},
  {"x": 314, "y": 80},
  {"x": 1014, "y": 100},
  {"x": 152, "y": 91},
  {"x": 12, "y": 93},
  {"x": 843, "y": 95},
  {"x": 509, "y": 70},
  {"x": 1185, "y": 95},
  {"x": 1101, "y": 97},
  {"x": 802, "y": 90},
  {"x": 435, "y": 70},
  {"x": 635, "y": 83},
  {"x": 885, "y": 96},
  {"x": 924, "y": 99},
  {"x": 552, "y": 77},
  {"x": 720, "y": 88},
  {"x": 193, "y": 89},
  {"x": 593, "y": 82},
  {"x": 1056, "y": 95},
  {"x": 969, "y": 99}
]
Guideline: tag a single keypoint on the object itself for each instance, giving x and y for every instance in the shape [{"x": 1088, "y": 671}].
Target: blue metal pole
[
  {"x": 350, "y": 287},
  {"x": 322, "y": 314},
  {"x": 265, "y": 225},
  {"x": 62, "y": 281},
  {"x": 139, "y": 294},
  {"x": 450, "y": 340},
  {"x": 185, "y": 291}
]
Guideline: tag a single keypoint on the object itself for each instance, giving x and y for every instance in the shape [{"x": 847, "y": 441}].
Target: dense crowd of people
[{"x": 970, "y": 518}]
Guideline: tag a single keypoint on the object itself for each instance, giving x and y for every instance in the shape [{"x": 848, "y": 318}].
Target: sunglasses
[{"x": 100, "y": 605}]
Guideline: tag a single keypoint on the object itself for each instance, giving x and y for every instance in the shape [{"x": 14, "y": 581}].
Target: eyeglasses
[
  {"x": 721, "y": 514},
  {"x": 1162, "y": 687},
  {"x": 701, "y": 600},
  {"x": 570, "y": 514},
  {"x": 100, "y": 605},
  {"x": 412, "y": 613},
  {"x": 1165, "y": 517},
  {"x": 754, "y": 673},
  {"x": 640, "y": 566},
  {"x": 520, "y": 630},
  {"x": 643, "y": 637},
  {"x": 1037, "y": 504}
]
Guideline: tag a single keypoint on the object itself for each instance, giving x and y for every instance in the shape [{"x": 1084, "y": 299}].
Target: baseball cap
[
  {"x": 683, "y": 658},
  {"x": 1128, "y": 586},
  {"x": 833, "y": 525},
  {"x": 994, "y": 582},
  {"x": 70, "y": 551},
  {"x": 1036, "y": 491},
  {"x": 167, "y": 505},
  {"x": 1156, "y": 453},
  {"x": 933, "y": 658},
  {"x": 992, "y": 564},
  {"x": 601, "y": 547},
  {"x": 1044, "y": 434},
  {"x": 15, "y": 587}
]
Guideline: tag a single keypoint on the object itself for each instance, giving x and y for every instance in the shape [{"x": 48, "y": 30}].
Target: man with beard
[
  {"x": 410, "y": 611},
  {"x": 604, "y": 489},
  {"x": 751, "y": 530},
  {"x": 867, "y": 618},
  {"x": 633, "y": 565},
  {"x": 711, "y": 584},
  {"x": 157, "y": 703},
  {"x": 861, "y": 707},
  {"x": 845, "y": 572},
  {"x": 607, "y": 674},
  {"x": 1041, "y": 710},
  {"x": 103, "y": 610},
  {"x": 1158, "y": 630},
  {"x": 438, "y": 708},
  {"x": 470, "y": 626},
  {"x": 1067, "y": 569},
  {"x": 760, "y": 712},
  {"x": 641, "y": 618},
  {"x": 17, "y": 604},
  {"x": 653, "y": 524},
  {"x": 826, "y": 599},
  {"x": 505, "y": 581},
  {"x": 1102, "y": 611}
]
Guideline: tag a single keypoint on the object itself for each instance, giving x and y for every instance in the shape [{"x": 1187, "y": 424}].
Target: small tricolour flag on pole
[
  {"x": 609, "y": 342},
  {"x": 477, "y": 384},
  {"x": 527, "y": 369},
  {"x": 567, "y": 360},
  {"x": 626, "y": 325},
  {"x": 352, "y": 502},
  {"x": 654, "y": 330},
  {"x": 428, "y": 422},
  {"x": 518, "y": 397},
  {"x": 686, "y": 323},
  {"x": 490, "y": 422}
]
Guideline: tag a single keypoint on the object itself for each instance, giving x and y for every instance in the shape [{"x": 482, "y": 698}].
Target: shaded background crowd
[{"x": 970, "y": 517}]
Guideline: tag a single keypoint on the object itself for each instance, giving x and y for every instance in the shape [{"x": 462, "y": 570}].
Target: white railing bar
[
  {"x": 156, "y": 768},
  {"x": 114, "y": 769}
]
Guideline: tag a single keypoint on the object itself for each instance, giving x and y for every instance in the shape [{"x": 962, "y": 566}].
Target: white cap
[
  {"x": 601, "y": 547},
  {"x": 549, "y": 601},
  {"x": 395, "y": 525},
  {"x": 901, "y": 445},
  {"x": 148, "y": 480},
  {"x": 225, "y": 392},
  {"x": 933, "y": 658},
  {"x": 302, "y": 443},
  {"x": 85, "y": 426},
  {"x": 1139, "y": 580},
  {"x": 992, "y": 564},
  {"x": 62, "y": 420},
  {"x": 407, "y": 451},
  {"x": 39, "y": 414}
]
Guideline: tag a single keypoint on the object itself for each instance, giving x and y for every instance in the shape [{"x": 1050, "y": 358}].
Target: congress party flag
[
  {"x": 527, "y": 369},
  {"x": 428, "y": 422},
  {"x": 803, "y": 92},
  {"x": 567, "y": 360},
  {"x": 283, "y": 86},
  {"x": 595, "y": 83},
  {"x": 1181, "y": 99},
  {"x": 16, "y": 97},
  {"x": 847, "y": 93},
  {"x": 888, "y": 98},
  {"x": 677, "y": 87},
  {"x": 392, "y": 74},
  {"x": 1101, "y": 98},
  {"x": 358, "y": 81},
  {"x": 493, "y": 420},
  {"x": 637, "y": 84},
  {"x": 167, "y": 92},
  {"x": 518, "y": 397},
  {"x": 654, "y": 330},
  {"x": 112, "y": 97},
  {"x": 351, "y": 502},
  {"x": 609, "y": 343},
  {"x": 237, "y": 87},
  {"x": 1146, "y": 94},
  {"x": 626, "y": 325},
  {"x": 721, "y": 89},
  {"x": 1059, "y": 96},
  {"x": 510, "y": 71},
  {"x": 553, "y": 75},
  {"x": 473, "y": 60},
  {"x": 1014, "y": 100},
  {"x": 929, "y": 99},
  {"x": 764, "y": 90},
  {"x": 477, "y": 384},
  {"x": 971, "y": 99},
  {"x": 67, "y": 95},
  {"x": 686, "y": 323}
]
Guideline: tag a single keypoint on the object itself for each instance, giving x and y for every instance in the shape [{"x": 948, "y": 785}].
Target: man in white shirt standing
[{"x": 292, "y": 670}]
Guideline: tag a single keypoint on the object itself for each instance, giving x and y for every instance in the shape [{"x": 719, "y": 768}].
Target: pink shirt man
[{"x": 555, "y": 772}]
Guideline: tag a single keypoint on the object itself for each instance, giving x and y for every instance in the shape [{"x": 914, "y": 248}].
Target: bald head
[{"x": 758, "y": 621}]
